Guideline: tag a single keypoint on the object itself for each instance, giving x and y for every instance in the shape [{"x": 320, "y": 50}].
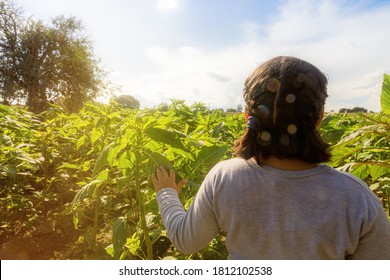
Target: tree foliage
[
  {"x": 353, "y": 110},
  {"x": 9, "y": 29},
  {"x": 127, "y": 101},
  {"x": 42, "y": 63}
]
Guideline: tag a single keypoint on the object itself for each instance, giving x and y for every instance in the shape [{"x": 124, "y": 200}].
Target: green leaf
[
  {"x": 121, "y": 182},
  {"x": 110, "y": 250},
  {"x": 5, "y": 109},
  {"x": 103, "y": 175},
  {"x": 68, "y": 166},
  {"x": 112, "y": 155},
  {"x": 378, "y": 171},
  {"x": 385, "y": 96},
  {"x": 159, "y": 159},
  {"x": 10, "y": 170},
  {"x": 81, "y": 141},
  {"x": 102, "y": 159},
  {"x": 76, "y": 219},
  {"x": 361, "y": 171},
  {"x": 26, "y": 158},
  {"x": 133, "y": 244},
  {"x": 78, "y": 124},
  {"x": 6, "y": 140},
  {"x": 183, "y": 153},
  {"x": 87, "y": 191},
  {"x": 366, "y": 171},
  {"x": 209, "y": 156},
  {"x": 165, "y": 136},
  {"x": 95, "y": 135},
  {"x": 125, "y": 162},
  {"x": 119, "y": 236}
]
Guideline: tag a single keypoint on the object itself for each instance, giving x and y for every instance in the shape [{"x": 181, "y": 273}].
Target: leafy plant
[
  {"x": 385, "y": 96},
  {"x": 96, "y": 166},
  {"x": 362, "y": 148}
]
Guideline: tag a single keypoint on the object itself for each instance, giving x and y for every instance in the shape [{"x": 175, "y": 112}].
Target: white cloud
[
  {"x": 169, "y": 5},
  {"x": 349, "y": 46},
  {"x": 250, "y": 30},
  {"x": 347, "y": 40},
  {"x": 374, "y": 97},
  {"x": 116, "y": 74},
  {"x": 193, "y": 75},
  {"x": 219, "y": 75}
]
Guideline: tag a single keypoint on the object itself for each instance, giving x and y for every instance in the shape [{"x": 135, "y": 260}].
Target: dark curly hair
[{"x": 285, "y": 97}]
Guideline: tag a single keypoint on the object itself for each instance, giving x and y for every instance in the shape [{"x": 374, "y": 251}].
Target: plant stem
[
  {"x": 148, "y": 241},
  {"x": 95, "y": 222}
]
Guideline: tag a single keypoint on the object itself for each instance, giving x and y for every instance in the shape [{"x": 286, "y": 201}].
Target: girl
[{"x": 276, "y": 199}]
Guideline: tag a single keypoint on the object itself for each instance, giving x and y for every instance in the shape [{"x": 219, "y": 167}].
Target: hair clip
[{"x": 252, "y": 122}]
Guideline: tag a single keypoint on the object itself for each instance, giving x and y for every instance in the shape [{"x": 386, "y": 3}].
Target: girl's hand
[{"x": 163, "y": 179}]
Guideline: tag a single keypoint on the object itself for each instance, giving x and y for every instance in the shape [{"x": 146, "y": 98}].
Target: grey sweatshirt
[{"x": 267, "y": 213}]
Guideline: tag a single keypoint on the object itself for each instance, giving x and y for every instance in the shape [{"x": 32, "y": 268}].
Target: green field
[{"x": 77, "y": 186}]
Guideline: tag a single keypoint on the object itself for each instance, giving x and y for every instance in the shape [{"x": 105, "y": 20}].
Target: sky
[{"x": 203, "y": 50}]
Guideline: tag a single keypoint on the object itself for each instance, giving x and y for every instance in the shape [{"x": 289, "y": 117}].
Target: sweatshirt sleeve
[
  {"x": 189, "y": 231},
  {"x": 374, "y": 244}
]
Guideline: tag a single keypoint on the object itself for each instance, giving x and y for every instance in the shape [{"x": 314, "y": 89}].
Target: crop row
[{"x": 94, "y": 168}]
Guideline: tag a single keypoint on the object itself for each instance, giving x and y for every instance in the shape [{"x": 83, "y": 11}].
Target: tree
[
  {"x": 79, "y": 77},
  {"x": 231, "y": 110},
  {"x": 163, "y": 107},
  {"x": 46, "y": 62},
  {"x": 127, "y": 101},
  {"x": 353, "y": 110},
  {"x": 9, "y": 30}
]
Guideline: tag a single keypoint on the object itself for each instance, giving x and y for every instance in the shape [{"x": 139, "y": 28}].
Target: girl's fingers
[
  {"x": 181, "y": 184},
  {"x": 164, "y": 178},
  {"x": 172, "y": 174},
  {"x": 163, "y": 171}
]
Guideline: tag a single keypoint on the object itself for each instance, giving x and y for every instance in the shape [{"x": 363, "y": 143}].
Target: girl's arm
[{"x": 189, "y": 231}]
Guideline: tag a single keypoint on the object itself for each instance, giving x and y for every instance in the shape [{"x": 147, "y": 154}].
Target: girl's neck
[{"x": 288, "y": 164}]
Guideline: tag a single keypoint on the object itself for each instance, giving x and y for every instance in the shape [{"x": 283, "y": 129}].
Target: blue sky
[{"x": 203, "y": 50}]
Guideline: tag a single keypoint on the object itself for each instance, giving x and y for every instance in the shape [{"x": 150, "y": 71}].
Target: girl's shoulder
[{"x": 232, "y": 164}]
